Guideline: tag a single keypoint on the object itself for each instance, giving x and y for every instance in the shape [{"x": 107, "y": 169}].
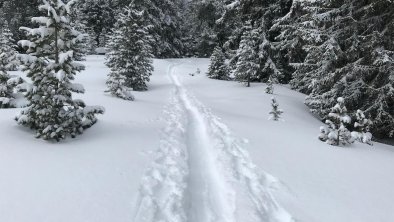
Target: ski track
[{"x": 201, "y": 173}]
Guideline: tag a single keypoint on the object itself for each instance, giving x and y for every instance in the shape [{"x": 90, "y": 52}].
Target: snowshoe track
[{"x": 201, "y": 173}]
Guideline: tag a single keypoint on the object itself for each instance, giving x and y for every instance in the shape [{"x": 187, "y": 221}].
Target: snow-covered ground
[{"x": 191, "y": 149}]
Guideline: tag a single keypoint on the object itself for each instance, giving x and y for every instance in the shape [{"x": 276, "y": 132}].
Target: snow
[
  {"x": 101, "y": 50},
  {"x": 63, "y": 57},
  {"x": 191, "y": 149}
]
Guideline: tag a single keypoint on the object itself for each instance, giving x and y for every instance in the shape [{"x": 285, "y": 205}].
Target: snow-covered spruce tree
[
  {"x": 164, "y": 20},
  {"x": 8, "y": 61},
  {"x": 84, "y": 46},
  {"x": 9, "y": 58},
  {"x": 218, "y": 69},
  {"x": 270, "y": 86},
  {"x": 203, "y": 34},
  {"x": 18, "y": 13},
  {"x": 50, "y": 63},
  {"x": 232, "y": 29},
  {"x": 275, "y": 112},
  {"x": 99, "y": 16},
  {"x": 261, "y": 15},
  {"x": 247, "y": 66},
  {"x": 336, "y": 132},
  {"x": 129, "y": 56},
  {"x": 5, "y": 89},
  {"x": 355, "y": 60},
  {"x": 362, "y": 128},
  {"x": 268, "y": 67},
  {"x": 294, "y": 34},
  {"x": 8, "y": 84}
]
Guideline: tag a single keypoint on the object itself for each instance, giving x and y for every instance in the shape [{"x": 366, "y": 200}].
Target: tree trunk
[{"x": 56, "y": 46}]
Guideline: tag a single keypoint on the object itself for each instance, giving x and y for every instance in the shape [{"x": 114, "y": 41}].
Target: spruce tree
[
  {"x": 83, "y": 47},
  {"x": 99, "y": 16},
  {"x": 292, "y": 36},
  {"x": 164, "y": 20},
  {"x": 350, "y": 53},
  {"x": 247, "y": 66},
  {"x": 50, "y": 64},
  {"x": 5, "y": 89},
  {"x": 362, "y": 128},
  {"x": 218, "y": 68},
  {"x": 18, "y": 13},
  {"x": 336, "y": 132},
  {"x": 275, "y": 112},
  {"x": 261, "y": 14},
  {"x": 267, "y": 63},
  {"x": 8, "y": 61},
  {"x": 8, "y": 84},
  {"x": 130, "y": 53},
  {"x": 9, "y": 58},
  {"x": 203, "y": 32}
]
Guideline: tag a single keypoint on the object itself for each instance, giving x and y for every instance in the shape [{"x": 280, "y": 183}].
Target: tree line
[{"x": 326, "y": 49}]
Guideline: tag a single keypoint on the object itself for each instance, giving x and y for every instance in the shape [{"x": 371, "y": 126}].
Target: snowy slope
[
  {"x": 177, "y": 154},
  {"x": 325, "y": 183}
]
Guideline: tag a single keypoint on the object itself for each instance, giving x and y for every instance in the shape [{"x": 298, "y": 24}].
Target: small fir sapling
[
  {"x": 336, "y": 132},
  {"x": 270, "y": 86},
  {"x": 362, "y": 128},
  {"x": 275, "y": 112}
]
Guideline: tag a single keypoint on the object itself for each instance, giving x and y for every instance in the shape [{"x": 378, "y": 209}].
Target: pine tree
[
  {"x": 362, "y": 128},
  {"x": 99, "y": 16},
  {"x": 130, "y": 54},
  {"x": 248, "y": 59},
  {"x": 50, "y": 63},
  {"x": 349, "y": 54},
  {"x": 8, "y": 61},
  {"x": 275, "y": 112},
  {"x": 218, "y": 68},
  {"x": 5, "y": 89},
  {"x": 292, "y": 35},
  {"x": 336, "y": 131},
  {"x": 164, "y": 20},
  {"x": 270, "y": 86},
  {"x": 17, "y": 13},
  {"x": 8, "y": 85},
  {"x": 232, "y": 29},
  {"x": 9, "y": 58},
  {"x": 84, "y": 46},
  {"x": 203, "y": 33},
  {"x": 268, "y": 66},
  {"x": 261, "y": 15}
]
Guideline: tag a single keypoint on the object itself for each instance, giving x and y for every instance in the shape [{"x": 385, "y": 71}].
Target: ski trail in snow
[
  {"x": 201, "y": 173},
  {"x": 208, "y": 198}
]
